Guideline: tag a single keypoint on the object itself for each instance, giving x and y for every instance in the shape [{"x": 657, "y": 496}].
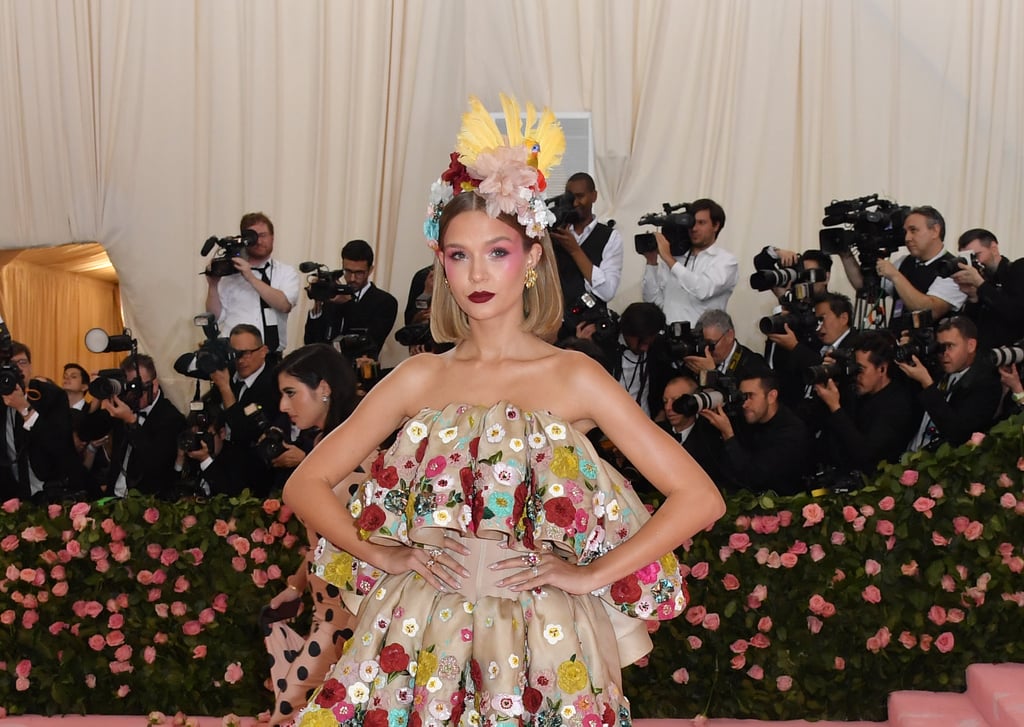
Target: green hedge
[{"x": 801, "y": 607}]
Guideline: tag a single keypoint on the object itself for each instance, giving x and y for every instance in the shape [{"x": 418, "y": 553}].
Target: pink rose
[
  {"x": 858, "y": 523},
  {"x": 885, "y": 527},
  {"x": 936, "y": 491},
  {"x": 207, "y": 616},
  {"x": 907, "y": 639},
  {"x": 909, "y": 569},
  {"x": 11, "y": 506},
  {"x": 955, "y": 615},
  {"x": 115, "y": 638},
  {"x": 926, "y": 642},
  {"x": 178, "y": 608},
  {"x": 23, "y": 669},
  {"x": 738, "y": 662},
  {"x": 234, "y": 673},
  {"x": 700, "y": 570},
  {"x": 238, "y": 563},
  {"x": 188, "y": 522},
  {"x": 730, "y": 582},
  {"x": 873, "y": 644},
  {"x": 258, "y": 555},
  {"x": 695, "y": 615},
  {"x": 694, "y": 642},
  {"x": 840, "y": 663},
  {"x": 197, "y": 555},
  {"x": 151, "y": 515},
  {"x": 159, "y": 577},
  {"x": 199, "y": 652},
  {"x": 220, "y": 603},
  {"x": 974, "y": 530},
  {"x": 976, "y": 439},
  {"x": 838, "y": 538},
  {"x": 260, "y": 578},
  {"x": 761, "y": 556},
  {"x": 191, "y": 628},
  {"x": 181, "y": 584},
  {"x": 681, "y": 676},
  {"x": 939, "y": 539},
  {"x": 161, "y": 610},
  {"x": 739, "y": 541},
  {"x": 764, "y": 624},
  {"x": 816, "y": 603},
  {"x": 813, "y": 514},
  {"x": 274, "y": 571},
  {"x": 742, "y": 522},
  {"x": 221, "y": 528},
  {"x": 788, "y": 560},
  {"x": 739, "y": 646},
  {"x": 945, "y": 642},
  {"x": 867, "y": 510},
  {"x": 169, "y": 556},
  {"x": 976, "y": 489},
  {"x": 755, "y": 672},
  {"x": 948, "y": 584},
  {"x": 60, "y": 589},
  {"x": 817, "y": 552},
  {"x": 9, "y": 543},
  {"x": 784, "y": 683},
  {"x": 115, "y": 621},
  {"x": 96, "y": 642},
  {"x": 22, "y": 685},
  {"x": 73, "y": 548},
  {"x": 1008, "y": 501},
  {"x": 924, "y": 504},
  {"x": 712, "y": 621},
  {"x": 872, "y": 567},
  {"x": 871, "y": 594},
  {"x": 909, "y": 478},
  {"x": 937, "y": 615},
  {"x": 760, "y": 592},
  {"x": 785, "y": 518},
  {"x": 849, "y": 513},
  {"x": 798, "y": 547},
  {"x": 123, "y": 691},
  {"x": 1005, "y": 481},
  {"x": 123, "y": 653},
  {"x": 887, "y": 503},
  {"x": 724, "y": 553},
  {"x": 760, "y": 641}
]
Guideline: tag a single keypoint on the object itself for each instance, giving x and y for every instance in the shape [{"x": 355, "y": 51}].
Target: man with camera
[
  {"x": 722, "y": 352},
  {"x": 641, "y": 362},
  {"x": 262, "y": 293},
  {"x": 700, "y": 279},
  {"x": 368, "y": 309},
  {"x": 37, "y": 455},
  {"x": 918, "y": 281},
  {"x": 588, "y": 252},
  {"x": 696, "y": 434},
  {"x": 994, "y": 287},
  {"x": 143, "y": 441},
  {"x": 875, "y": 425},
  {"x": 965, "y": 397},
  {"x": 771, "y": 450}
]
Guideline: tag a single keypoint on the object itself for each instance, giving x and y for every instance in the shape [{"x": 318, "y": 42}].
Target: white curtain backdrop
[{"x": 149, "y": 125}]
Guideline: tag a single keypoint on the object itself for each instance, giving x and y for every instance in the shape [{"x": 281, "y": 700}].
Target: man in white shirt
[
  {"x": 588, "y": 252},
  {"x": 263, "y": 292},
  {"x": 703, "y": 278}
]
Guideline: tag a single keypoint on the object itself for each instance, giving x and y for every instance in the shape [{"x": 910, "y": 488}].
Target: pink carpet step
[
  {"x": 997, "y": 691},
  {"x": 933, "y": 709}
]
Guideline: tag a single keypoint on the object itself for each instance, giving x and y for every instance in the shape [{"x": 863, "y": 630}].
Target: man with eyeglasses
[
  {"x": 963, "y": 400},
  {"x": 722, "y": 351},
  {"x": 263, "y": 292},
  {"x": 37, "y": 452},
  {"x": 368, "y": 309}
]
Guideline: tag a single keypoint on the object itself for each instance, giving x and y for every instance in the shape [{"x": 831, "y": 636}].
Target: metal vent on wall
[{"x": 579, "y": 148}]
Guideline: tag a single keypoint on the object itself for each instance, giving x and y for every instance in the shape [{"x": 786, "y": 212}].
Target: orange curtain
[{"x": 50, "y": 297}]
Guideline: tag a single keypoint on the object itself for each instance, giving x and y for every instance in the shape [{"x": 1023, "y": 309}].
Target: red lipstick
[{"x": 480, "y": 296}]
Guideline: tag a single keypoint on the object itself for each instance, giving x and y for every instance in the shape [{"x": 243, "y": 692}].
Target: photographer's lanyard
[
  {"x": 638, "y": 378},
  {"x": 267, "y": 314}
]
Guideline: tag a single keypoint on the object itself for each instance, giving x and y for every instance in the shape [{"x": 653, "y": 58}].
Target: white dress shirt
[
  {"x": 240, "y": 303},
  {"x": 695, "y": 283},
  {"x": 604, "y": 279}
]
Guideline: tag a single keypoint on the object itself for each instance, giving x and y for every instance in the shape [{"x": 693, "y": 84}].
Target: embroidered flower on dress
[
  {"x": 555, "y": 431},
  {"x": 493, "y": 670},
  {"x": 555, "y": 489},
  {"x": 516, "y": 444},
  {"x": 356, "y": 508},
  {"x": 442, "y": 517},
  {"x": 495, "y": 433},
  {"x": 553, "y": 633},
  {"x": 511, "y": 413},
  {"x": 443, "y": 484},
  {"x": 434, "y": 684},
  {"x": 416, "y": 431},
  {"x": 506, "y": 474},
  {"x": 510, "y": 704},
  {"x": 514, "y": 661},
  {"x": 447, "y": 435},
  {"x": 614, "y": 512},
  {"x": 439, "y": 709},
  {"x": 410, "y": 627},
  {"x": 359, "y": 693},
  {"x": 537, "y": 440}
]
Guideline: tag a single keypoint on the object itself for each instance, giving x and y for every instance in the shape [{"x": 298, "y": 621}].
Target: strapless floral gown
[{"x": 501, "y": 481}]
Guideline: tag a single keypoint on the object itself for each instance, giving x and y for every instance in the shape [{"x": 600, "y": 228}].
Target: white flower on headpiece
[
  {"x": 441, "y": 192},
  {"x": 505, "y": 176}
]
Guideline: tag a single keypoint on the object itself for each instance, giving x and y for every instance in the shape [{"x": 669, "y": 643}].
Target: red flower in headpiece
[{"x": 456, "y": 174}]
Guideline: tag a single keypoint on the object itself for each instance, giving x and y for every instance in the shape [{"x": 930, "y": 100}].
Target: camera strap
[{"x": 270, "y": 335}]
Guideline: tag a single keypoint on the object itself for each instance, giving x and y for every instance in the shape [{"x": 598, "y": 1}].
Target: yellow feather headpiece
[{"x": 508, "y": 171}]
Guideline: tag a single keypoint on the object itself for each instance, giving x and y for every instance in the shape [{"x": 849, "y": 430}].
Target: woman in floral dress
[{"x": 519, "y": 565}]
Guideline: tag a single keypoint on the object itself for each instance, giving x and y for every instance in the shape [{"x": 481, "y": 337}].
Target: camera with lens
[
  {"x": 108, "y": 383},
  {"x": 213, "y": 354},
  {"x": 683, "y": 340},
  {"x": 918, "y": 327},
  {"x": 563, "y": 207},
  {"x": 675, "y": 221},
  {"x": 230, "y": 248},
  {"x": 323, "y": 284},
  {"x": 197, "y": 428},
  {"x": 1007, "y": 355},
  {"x": 588, "y": 309},
  {"x": 355, "y": 343},
  {"x": 10, "y": 372},
  {"x": 764, "y": 279},
  {"x": 835, "y": 480},
  {"x": 272, "y": 440},
  {"x": 716, "y": 390},
  {"x": 949, "y": 265},
  {"x": 797, "y": 312},
  {"x": 870, "y": 226},
  {"x": 415, "y": 334},
  {"x": 844, "y": 365}
]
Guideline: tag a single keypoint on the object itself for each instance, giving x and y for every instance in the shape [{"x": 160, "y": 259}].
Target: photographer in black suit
[
  {"x": 722, "y": 352},
  {"x": 964, "y": 399},
  {"x": 995, "y": 295},
  {"x": 38, "y": 453},
  {"x": 143, "y": 443},
  {"x": 368, "y": 309},
  {"x": 696, "y": 434}
]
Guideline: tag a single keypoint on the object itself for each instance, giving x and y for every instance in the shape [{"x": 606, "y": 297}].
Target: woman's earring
[
  {"x": 445, "y": 280},
  {"x": 531, "y": 278},
  {"x": 325, "y": 399}
]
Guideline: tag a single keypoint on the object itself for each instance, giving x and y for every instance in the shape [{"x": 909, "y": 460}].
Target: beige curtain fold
[{"x": 150, "y": 126}]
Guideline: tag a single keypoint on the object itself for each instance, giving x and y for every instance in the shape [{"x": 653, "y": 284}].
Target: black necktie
[{"x": 270, "y": 336}]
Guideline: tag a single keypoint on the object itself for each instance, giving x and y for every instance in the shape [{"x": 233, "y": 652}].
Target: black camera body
[
  {"x": 10, "y": 373},
  {"x": 108, "y": 383},
  {"x": 675, "y": 222},
  {"x": 844, "y": 366},
  {"x": 323, "y": 284},
  {"x": 415, "y": 334},
  {"x": 776, "y": 277},
  {"x": 716, "y": 389},
  {"x": 798, "y": 313},
  {"x": 271, "y": 440},
  {"x": 919, "y": 327},
  {"x": 355, "y": 343},
  {"x": 230, "y": 247},
  {"x": 563, "y": 207},
  {"x": 683, "y": 340},
  {"x": 835, "y": 480},
  {"x": 949, "y": 265},
  {"x": 588, "y": 309},
  {"x": 870, "y": 226},
  {"x": 214, "y": 353}
]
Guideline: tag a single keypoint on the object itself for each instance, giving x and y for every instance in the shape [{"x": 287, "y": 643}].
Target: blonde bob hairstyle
[{"x": 542, "y": 304}]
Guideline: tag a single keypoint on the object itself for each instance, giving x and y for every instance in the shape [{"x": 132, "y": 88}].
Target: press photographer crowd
[{"x": 927, "y": 352}]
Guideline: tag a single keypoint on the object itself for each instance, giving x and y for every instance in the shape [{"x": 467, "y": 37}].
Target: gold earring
[
  {"x": 531, "y": 278},
  {"x": 445, "y": 279}
]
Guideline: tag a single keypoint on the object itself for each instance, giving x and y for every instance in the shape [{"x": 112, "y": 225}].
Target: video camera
[
  {"x": 922, "y": 342},
  {"x": 716, "y": 390},
  {"x": 10, "y": 372},
  {"x": 213, "y": 354},
  {"x": 323, "y": 284},
  {"x": 675, "y": 221},
  {"x": 231, "y": 247},
  {"x": 871, "y": 226},
  {"x": 588, "y": 309},
  {"x": 563, "y": 207},
  {"x": 844, "y": 365}
]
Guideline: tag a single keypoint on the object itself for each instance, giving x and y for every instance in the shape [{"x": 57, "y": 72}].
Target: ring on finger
[
  {"x": 430, "y": 564},
  {"x": 434, "y": 552},
  {"x": 531, "y": 559}
]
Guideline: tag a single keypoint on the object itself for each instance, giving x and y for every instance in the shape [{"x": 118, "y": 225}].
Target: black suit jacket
[
  {"x": 771, "y": 456},
  {"x": 154, "y": 442},
  {"x": 704, "y": 444},
  {"x": 376, "y": 312},
  {"x": 971, "y": 407},
  {"x": 264, "y": 392},
  {"x": 871, "y": 429},
  {"x": 48, "y": 448},
  {"x": 999, "y": 312}
]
